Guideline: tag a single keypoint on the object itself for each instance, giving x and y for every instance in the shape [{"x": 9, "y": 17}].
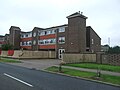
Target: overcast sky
[{"x": 103, "y": 15}]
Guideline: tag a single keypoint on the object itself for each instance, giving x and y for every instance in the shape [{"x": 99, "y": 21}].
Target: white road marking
[{"x": 18, "y": 80}]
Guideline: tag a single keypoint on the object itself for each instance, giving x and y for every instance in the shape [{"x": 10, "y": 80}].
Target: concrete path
[
  {"x": 92, "y": 70},
  {"x": 38, "y": 64}
]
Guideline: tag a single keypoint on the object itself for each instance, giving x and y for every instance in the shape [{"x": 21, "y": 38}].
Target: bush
[{"x": 7, "y": 47}]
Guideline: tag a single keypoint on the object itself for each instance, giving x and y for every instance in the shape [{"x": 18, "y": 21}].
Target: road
[{"x": 20, "y": 78}]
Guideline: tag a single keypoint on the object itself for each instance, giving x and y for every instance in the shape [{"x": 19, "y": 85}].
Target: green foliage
[
  {"x": 89, "y": 75},
  {"x": 114, "y": 50},
  {"x": 9, "y": 60},
  {"x": 95, "y": 66},
  {"x": 7, "y": 47}
]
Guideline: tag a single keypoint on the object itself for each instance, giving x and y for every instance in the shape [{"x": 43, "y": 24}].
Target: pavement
[
  {"x": 92, "y": 70},
  {"x": 38, "y": 64},
  {"x": 45, "y": 63},
  {"x": 19, "y": 78}
]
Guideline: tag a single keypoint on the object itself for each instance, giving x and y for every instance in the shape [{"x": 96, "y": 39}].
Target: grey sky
[{"x": 103, "y": 15}]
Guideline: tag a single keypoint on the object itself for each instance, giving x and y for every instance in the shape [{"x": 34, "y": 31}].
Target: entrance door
[{"x": 60, "y": 53}]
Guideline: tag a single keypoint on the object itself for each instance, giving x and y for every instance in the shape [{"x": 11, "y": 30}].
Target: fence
[{"x": 112, "y": 59}]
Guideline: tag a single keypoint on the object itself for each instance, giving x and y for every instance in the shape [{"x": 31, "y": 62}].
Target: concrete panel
[{"x": 77, "y": 58}]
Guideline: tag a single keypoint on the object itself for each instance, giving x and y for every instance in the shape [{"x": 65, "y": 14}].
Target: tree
[
  {"x": 114, "y": 50},
  {"x": 7, "y": 47}
]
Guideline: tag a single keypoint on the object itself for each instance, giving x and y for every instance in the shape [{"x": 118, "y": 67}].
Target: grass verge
[
  {"x": 9, "y": 60},
  {"x": 89, "y": 75},
  {"x": 95, "y": 66}
]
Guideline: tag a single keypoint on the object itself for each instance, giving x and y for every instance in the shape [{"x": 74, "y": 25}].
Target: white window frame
[
  {"x": 92, "y": 41},
  {"x": 28, "y": 35},
  {"x": 47, "y": 41},
  {"x": 61, "y": 29},
  {"x": 60, "y": 40}
]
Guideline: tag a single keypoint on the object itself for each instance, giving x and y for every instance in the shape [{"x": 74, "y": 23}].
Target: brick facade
[{"x": 93, "y": 41}]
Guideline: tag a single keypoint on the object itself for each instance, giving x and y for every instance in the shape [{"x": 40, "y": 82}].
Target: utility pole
[{"x": 109, "y": 41}]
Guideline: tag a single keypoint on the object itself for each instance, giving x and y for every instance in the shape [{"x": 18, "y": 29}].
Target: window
[
  {"x": 22, "y": 36},
  {"x": 30, "y": 34},
  {"x": 2, "y": 39},
  {"x": 24, "y": 43},
  {"x": 92, "y": 41},
  {"x": 20, "y": 43},
  {"x": 29, "y": 43},
  {"x": 41, "y": 42},
  {"x": 42, "y": 33},
  {"x": 34, "y": 42},
  {"x": 47, "y": 41},
  {"x": 52, "y": 32},
  {"x": 62, "y": 29},
  {"x": 45, "y": 32},
  {"x": 48, "y": 32},
  {"x": 52, "y": 41},
  {"x": 61, "y": 40},
  {"x": 26, "y": 35}
]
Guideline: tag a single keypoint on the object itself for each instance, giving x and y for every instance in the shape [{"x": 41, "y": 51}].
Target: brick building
[{"x": 73, "y": 37}]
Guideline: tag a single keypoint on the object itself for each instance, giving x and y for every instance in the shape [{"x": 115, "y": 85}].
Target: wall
[
  {"x": 76, "y": 34},
  {"x": 76, "y": 58},
  {"x": 4, "y": 53},
  {"x": 93, "y": 41},
  {"x": 112, "y": 59},
  {"x": 14, "y": 37},
  {"x": 30, "y": 54}
]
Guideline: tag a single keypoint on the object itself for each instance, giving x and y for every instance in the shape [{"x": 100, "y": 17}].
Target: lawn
[
  {"x": 95, "y": 66},
  {"x": 9, "y": 60},
  {"x": 89, "y": 75}
]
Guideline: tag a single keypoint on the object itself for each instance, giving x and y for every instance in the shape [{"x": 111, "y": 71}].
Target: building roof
[
  {"x": 15, "y": 27},
  {"x": 7, "y": 34},
  {"x": 57, "y": 26},
  {"x": 2, "y": 36},
  {"x": 26, "y": 32},
  {"x": 77, "y": 14},
  {"x": 93, "y": 30},
  {"x": 38, "y": 28}
]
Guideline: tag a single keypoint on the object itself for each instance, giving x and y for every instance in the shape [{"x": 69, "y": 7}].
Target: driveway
[{"x": 38, "y": 64}]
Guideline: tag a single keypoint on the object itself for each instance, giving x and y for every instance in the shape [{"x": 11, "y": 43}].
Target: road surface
[{"x": 20, "y": 78}]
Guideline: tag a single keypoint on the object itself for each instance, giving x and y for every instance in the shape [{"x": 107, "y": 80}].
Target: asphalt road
[{"x": 19, "y": 78}]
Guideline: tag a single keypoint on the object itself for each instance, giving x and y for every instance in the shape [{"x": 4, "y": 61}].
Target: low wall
[
  {"x": 112, "y": 59},
  {"x": 76, "y": 58},
  {"x": 4, "y": 53},
  {"x": 30, "y": 54}
]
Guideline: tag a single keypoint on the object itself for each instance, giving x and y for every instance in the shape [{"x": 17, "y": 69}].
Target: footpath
[{"x": 92, "y": 70}]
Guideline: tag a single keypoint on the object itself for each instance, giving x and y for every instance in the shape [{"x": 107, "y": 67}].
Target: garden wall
[
  {"x": 76, "y": 58},
  {"x": 30, "y": 54},
  {"x": 112, "y": 59}
]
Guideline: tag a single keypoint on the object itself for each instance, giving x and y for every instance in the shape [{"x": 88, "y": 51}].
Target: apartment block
[{"x": 73, "y": 37}]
